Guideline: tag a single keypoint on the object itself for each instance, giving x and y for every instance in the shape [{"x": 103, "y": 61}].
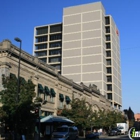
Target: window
[
  {"x": 51, "y": 98},
  {"x": 109, "y": 87},
  {"x": 109, "y": 70},
  {"x": 108, "y": 46},
  {"x": 107, "y": 37},
  {"x": 55, "y": 44},
  {"x": 41, "y": 39},
  {"x": 107, "y": 20},
  {"x": 42, "y": 30},
  {"x": 107, "y": 29},
  {"x": 109, "y": 78},
  {"x": 41, "y": 46},
  {"x": 57, "y": 66},
  {"x": 55, "y": 37},
  {"x": 55, "y": 28},
  {"x": 47, "y": 113},
  {"x": 43, "y": 53},
  {"x": 108, "y": 61},
  {"x": 60, "y": 104},
  {"x": 54, "y": 52},
  {"x": 43, "y": 59},
  {"x": 56, "y": 59},
  {"x": 108, "y": 53}
]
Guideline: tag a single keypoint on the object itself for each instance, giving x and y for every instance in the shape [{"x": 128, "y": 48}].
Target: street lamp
[{"x": 18, "y": 84}]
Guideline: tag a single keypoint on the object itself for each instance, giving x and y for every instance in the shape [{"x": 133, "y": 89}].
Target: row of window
[
  {"x": 51, "y": 45},
  {"x": 53, "y": 28},
  {"x": 45, "y": 38},
  {"x": 49, "y": 94},
  {"x": 51, "y": 52},
  {"x": 54, "y": 59}
]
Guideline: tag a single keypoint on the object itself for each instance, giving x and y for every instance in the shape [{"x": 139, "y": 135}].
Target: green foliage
[
  {"x": 84, "y": 117},
  {"x": 80, "y": 113},
  {"x": 17, "y": 114}
]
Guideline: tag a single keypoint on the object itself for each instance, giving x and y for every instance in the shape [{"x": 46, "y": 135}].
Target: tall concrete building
[{"x": 90, "y": 49}]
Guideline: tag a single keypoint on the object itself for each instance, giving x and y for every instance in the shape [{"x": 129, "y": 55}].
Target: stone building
[{"x": 52, "y": 87}]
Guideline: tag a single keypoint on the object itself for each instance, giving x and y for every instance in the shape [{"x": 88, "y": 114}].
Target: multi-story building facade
[
  {"x": 55, "y": 89},
  {"x": 48, "y": 44},
  {"x": 91, "y": 49}
]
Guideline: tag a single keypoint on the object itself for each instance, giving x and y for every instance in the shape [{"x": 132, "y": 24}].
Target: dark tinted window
[
  {"x": 55, "y": 28},
  {"x": 107, "y": 29},
  {"x": 54, "y": 52},
  {"x": 107, "y": 20},
  {"x": 56, "y": 37},
  {"x": 107, "y": 37},
  {"x": 41, "y": 39},
  {"x": 108, "y": 45},
  {"x": 41, "y": 46},
  {"x": 42, "y": 53},
  {"x": 108, "y": 61},
  {"x": 109, "y": 70},
  {"x": 109, "y": 87},
  {"x": 108, "y": 53},
  {"x": 109, "y": 96},
  {"x": 42, "y": 30},
  {"x": 55, "y": 44}
]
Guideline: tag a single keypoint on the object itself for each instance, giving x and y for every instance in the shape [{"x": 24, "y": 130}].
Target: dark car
[
  {"x": 93, "y": 135},
  {"x": 114, "y": 132}
]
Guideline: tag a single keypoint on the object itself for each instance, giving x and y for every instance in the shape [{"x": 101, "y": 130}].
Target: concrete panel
[
  {"x": 91, "y": 34},
  {"x": 91, "y": 16},
  {"x": 91, "y": 25},
  {"x": 71, "y": 45},
  {"x": 72, "y": 19},
  {"x": 91, "y": 68},
  {"x": 91, "y": 42},
  {"x": 91, "y": 59},
  {"x": 75, "y": 78},
  {"x": 71, "y": 53},
  {"x": 83, "y": 8},
  {"x": 72, "y": 28},
  {"x": 72, "y": 61},
  {"x": 74, "y": 36},
  {"x": 72, "y": 69},
  {"x": 91, "y": 50},
  {"x": 91, "y": 76}
]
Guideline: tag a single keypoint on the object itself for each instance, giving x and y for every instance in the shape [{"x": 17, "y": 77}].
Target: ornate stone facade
[{"x": 43, "y": 75}]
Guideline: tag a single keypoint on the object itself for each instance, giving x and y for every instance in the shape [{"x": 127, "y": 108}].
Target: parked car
[
  {"x": 114, "y": 132},
  {"x": 93, "y": 135},
  {"x": 65, "y": 133}
]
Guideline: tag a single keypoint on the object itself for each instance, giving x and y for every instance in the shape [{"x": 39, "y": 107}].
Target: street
[
  {"x": 119, "y": 137},
  {"x": 115, "y": 138}
]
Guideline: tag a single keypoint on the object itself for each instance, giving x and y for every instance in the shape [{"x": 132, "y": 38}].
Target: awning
[
  {"x": 40, "y": 88},
  {"x": 47, "y": 91},
  {"x": 13, "y": 76},
  {"x": 67, "y": 99},
  {"x": 51, "y": 119},
  {"x": 52, "y": 92},
  {"x": 61, "y": 97}
]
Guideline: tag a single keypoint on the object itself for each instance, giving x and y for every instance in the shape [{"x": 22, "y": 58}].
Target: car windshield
[{"x": 62, "y": 129}]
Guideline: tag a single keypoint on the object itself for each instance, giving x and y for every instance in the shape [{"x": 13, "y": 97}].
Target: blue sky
[{"x": 19, "y": 17}]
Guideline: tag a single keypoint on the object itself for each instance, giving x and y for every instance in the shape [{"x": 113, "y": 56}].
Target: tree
[
  {"x": 80, "y": 113},
  {"x": 17, "y": 114}
]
